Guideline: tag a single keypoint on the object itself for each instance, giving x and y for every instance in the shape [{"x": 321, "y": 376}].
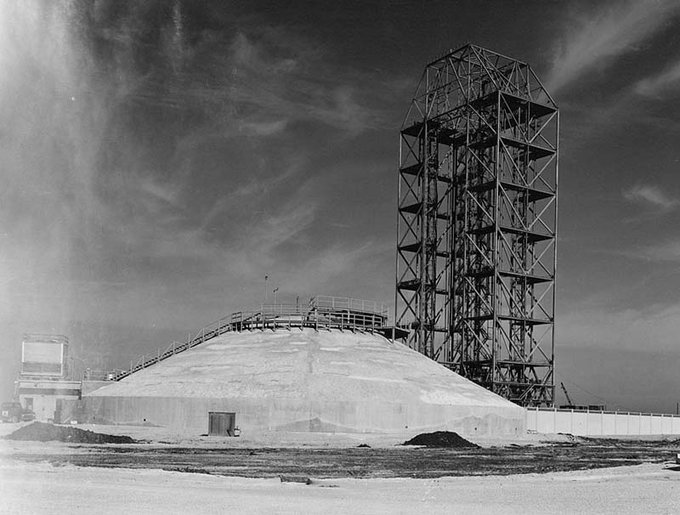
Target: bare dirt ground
[
  {"x": 321, "y": 458},
  {"x": 38, "y": 488},
  {"x": 537, "y": 474},
  {"x": 364, "y": 462}
]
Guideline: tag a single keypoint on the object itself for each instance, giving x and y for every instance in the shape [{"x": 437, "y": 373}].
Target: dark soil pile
[
  {"x": 441, "y": 439},
  {"x": 39, "y": 432}
]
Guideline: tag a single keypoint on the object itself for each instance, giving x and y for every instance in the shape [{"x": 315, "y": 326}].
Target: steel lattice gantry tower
[{"x": 476, "y": 250}]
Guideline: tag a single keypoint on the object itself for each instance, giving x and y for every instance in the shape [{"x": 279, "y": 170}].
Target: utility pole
[{"x": 274, "y": 292}]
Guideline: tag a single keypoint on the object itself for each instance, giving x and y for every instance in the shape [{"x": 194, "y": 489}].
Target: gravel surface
[{"x": 355, "y": 462}]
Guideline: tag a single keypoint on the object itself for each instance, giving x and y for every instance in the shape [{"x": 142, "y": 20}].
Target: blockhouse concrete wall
[
  {"x": 304, "y": 380},
  {"x": 253, "y": 415}
]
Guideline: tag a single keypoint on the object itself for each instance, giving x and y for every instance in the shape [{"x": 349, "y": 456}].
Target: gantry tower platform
[{"x": 477, "y": 219}]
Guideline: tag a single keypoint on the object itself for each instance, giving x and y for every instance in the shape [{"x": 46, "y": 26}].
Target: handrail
[
  {"x": 368, "y": 306},
  {"x": 322, "y": 313}
]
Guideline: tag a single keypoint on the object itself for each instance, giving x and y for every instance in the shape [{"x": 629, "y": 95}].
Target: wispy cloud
[
  {"x": 279, "y": 74},
  {"x": 656, "y": 85},
  {"x": 598, "y": 38},
  {"x": 265, "y": 128},
  {"x": 651, "y": 197},
  {"x": 667, "y": 251},
  {"x": 656, "y": 325},
  {"x": 254, "y": 187},
  {"x": 343, "y": 268},
  {"x": 277, "y": 228}
]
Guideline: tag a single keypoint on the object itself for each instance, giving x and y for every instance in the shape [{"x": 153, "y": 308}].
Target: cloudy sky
[{"x": 160, "y": 158}]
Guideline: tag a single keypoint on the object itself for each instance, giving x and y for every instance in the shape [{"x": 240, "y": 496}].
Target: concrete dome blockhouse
[{"x": 302, "y": 379}]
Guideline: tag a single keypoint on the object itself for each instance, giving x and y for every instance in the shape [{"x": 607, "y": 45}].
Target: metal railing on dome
[
  {"x": 322, "y": 312},
  {"x": 346, "y": 303}
]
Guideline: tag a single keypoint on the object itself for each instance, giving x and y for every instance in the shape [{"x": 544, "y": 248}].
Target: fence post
[{"x": 616, "y": 418}]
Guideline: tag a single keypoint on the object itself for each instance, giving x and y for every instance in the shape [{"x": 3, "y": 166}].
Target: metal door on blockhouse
[{"x": 221, "y": 423}]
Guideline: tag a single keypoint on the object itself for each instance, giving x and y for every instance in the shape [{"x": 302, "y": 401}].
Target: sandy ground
[
  {"x": 35, "y": 486},
  {"x": 42, "y": 488}
]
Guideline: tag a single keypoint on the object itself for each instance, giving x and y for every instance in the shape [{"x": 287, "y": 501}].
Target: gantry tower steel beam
[{"x": 477, "y": 220}]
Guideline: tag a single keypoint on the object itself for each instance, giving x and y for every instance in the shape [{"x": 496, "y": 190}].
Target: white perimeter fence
[{"x": 601, "y": 423}]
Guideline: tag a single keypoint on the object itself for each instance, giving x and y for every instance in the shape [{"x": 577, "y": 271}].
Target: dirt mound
[
  {"x": 441, "y": 439},
  {"x": 40, "y": 432}
]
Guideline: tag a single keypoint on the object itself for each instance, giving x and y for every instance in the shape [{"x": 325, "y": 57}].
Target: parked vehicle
[
  {"x": 14, "y": 412},
  {"x": 11, "y": 411}
]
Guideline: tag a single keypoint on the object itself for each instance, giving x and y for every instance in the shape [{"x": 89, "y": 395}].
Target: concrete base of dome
[
  {"x": 304, "y": 380},
  {"x": 190, "y": 416}
]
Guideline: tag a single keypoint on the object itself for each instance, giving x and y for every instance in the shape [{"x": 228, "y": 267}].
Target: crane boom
[{"x": 566, "y": 394}]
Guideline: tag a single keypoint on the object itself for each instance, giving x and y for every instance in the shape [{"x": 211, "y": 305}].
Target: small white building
[
  {"x": 41, "y": 396},
  {"x": 43, "y": 379}
]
